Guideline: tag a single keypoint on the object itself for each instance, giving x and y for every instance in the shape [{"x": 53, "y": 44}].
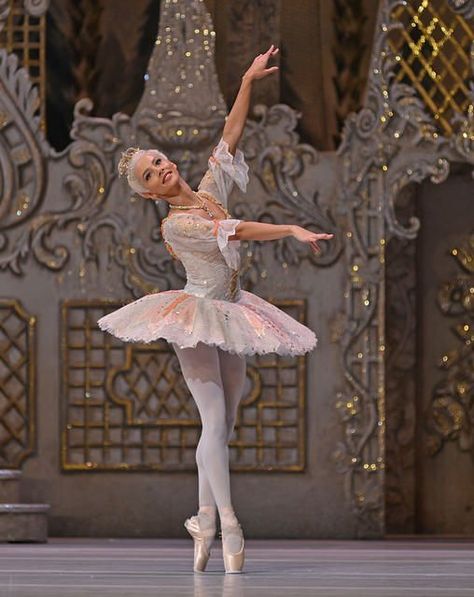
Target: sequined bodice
[{"x": 192, "y": 239}]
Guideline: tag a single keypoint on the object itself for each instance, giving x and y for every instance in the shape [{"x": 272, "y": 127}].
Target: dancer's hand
[
  {"x": 258, "y": 69},
  {"x": 306, "y": 236}
]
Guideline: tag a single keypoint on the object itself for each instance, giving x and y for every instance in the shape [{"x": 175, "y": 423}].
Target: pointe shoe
[
  {"x": 233, "y": 561},
  {"x": 199, "y": 535}
]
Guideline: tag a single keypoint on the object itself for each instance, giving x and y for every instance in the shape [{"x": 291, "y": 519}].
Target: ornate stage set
[{"x": 103, "y": 433}]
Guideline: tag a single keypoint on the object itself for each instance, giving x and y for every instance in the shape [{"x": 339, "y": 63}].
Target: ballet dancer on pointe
[{"x": 211, "y": 323}]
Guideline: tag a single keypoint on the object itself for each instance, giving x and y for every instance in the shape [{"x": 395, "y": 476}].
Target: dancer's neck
[{"x": 186, "y": 196}]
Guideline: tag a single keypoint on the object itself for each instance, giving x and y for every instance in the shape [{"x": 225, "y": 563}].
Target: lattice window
[
  {"x": 25, "y": 36},
  {"x": 127, "y": 406},
  {"x": 17, "y": 378},
  {"x": 433, "y": 54}
]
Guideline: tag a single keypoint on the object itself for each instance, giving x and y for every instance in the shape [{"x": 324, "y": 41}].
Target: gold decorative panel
[
  {"x": 17, "y": 384},
  {"x": 451, "y": 413},
  {"x": 24, "y": 34},
  {"x": 432, "y": 48},
  {"x": 126, "y": 405}
]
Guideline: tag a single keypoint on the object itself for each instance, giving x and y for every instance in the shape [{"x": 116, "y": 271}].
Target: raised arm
[{"x": 235, "y": 121}]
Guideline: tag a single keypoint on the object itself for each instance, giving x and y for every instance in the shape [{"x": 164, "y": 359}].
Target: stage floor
[{"x": 135, "y": 567}]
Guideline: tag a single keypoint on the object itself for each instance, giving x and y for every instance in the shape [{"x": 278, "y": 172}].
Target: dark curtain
[{"x": 97, "y": 49}]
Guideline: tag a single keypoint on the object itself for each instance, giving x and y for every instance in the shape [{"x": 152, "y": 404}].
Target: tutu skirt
[{"x": 247, "y": 326}]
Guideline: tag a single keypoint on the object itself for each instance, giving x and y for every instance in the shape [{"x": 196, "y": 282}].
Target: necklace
[{"x": 200, "y": 205}]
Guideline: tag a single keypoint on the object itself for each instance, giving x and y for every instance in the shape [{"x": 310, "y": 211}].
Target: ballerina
[{"x": 212, "y": 324}]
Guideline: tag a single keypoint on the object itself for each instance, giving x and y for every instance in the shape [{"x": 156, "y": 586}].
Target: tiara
[{"x": 124, "y": 162}]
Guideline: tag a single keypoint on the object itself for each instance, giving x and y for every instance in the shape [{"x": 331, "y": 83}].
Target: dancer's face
[{"x": 157, "y": 174}]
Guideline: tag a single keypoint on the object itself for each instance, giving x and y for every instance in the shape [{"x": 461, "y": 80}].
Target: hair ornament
[{"x": 124, "y": 163}]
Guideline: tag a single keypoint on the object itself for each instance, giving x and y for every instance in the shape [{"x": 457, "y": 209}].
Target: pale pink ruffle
[
  {"x": 227, "y": 168},
  {"x": 229, "y": 248},
  {"x": 248, "y": 326}
]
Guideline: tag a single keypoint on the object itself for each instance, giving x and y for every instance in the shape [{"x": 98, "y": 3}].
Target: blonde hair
[{"x": 127, "y": 163}]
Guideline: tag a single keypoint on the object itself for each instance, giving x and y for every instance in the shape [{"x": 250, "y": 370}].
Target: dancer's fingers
[
  {"x": 270, "y": 49},
  {"x": 323, "y": 236}
]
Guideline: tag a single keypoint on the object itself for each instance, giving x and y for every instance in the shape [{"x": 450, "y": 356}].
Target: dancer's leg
[
  {"x": 233, "y": 373},
  {"x": 216, "y": 380},
  {"x": 201, "y": 370}
]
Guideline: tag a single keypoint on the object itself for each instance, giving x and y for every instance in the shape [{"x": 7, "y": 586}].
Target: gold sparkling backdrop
[
  {"x": 126, "y": 407},
  {"x": 432, "y": 49},
  {"x": 186, "y": 43},
  {"x": 25, "y": 36}
]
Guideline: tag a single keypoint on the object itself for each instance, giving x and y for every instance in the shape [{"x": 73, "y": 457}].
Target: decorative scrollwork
[
  {"x": 391, "y": 143},
  {"x": 36, "y": 8},
  {"x": 280, "y": 167},
  {"x": 185, "y": 133},
  {"x": 85, "y": 185},
  {"x": 22, "y": 168},
  {"x": 84, "y": 172},
  {"x": 451, "y": 415},
  {"x": 463, "y": 7}
]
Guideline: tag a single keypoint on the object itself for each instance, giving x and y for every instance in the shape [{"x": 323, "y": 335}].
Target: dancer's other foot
[
  {"x": 233, "y": 543},
  {"x": 202, "y": 528}
]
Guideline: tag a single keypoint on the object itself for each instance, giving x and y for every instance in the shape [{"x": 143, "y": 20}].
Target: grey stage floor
[{"x": 133, "y": 567}]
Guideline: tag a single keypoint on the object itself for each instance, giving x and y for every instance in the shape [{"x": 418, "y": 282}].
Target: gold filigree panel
[
  {"x": 17, "y": 384},
  {"x": 24, "y": 34},
  {"x": 432, "y": 48},
  {"x": 451, "y": 414},
  {"x": 126, "y": 405}
]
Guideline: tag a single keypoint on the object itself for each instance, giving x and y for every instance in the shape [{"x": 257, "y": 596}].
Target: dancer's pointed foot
[
  {"x": 233, "y": 548},
  {"x": 202, "y": 529}
]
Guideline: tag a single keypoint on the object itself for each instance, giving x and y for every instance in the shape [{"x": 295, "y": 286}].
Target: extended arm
[
  {"x": 235, "y": 121},
  {"x": 264, "y": 231}
]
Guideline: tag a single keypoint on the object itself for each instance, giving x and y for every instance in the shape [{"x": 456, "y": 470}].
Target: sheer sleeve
[
  {"x": 224, "y": 169},
  {"x": 229, "y": 248}
]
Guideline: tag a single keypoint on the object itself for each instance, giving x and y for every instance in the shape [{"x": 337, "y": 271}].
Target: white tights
[{"x": 216, "y": 379}]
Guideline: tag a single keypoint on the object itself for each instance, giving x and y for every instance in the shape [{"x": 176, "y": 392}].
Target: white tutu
[{"x": 248, "y": 326}]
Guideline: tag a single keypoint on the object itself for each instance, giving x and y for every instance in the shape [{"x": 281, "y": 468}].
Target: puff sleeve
[
  {"x": 224, "y": 169},
  {"x": 223, "y": 229}
]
